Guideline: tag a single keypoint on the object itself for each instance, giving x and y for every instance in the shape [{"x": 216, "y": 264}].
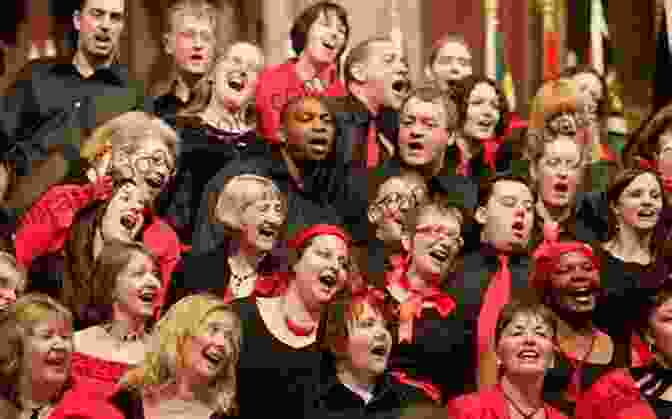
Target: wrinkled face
[
  {"x": 138, "y": 286},
  {"x": 153, "y": 165},
  {"x": 564, "y": 123},
  {"x": 664, "y": 158},
  {"x": 525, "y": 347},
  {"x": 452, "y": 63},
  {"x": 483, "y": 112},
  {"x": 386, "y": 74},
  {"x": 124, "y": 216},
  {"x": 559, "y": 173},
  {"x": 394, "y": 199},
  {"x": 322, "y": 270},
  {"x": 261, "y": 221},
  {"x": 640, "y": 203},
  {"x": 310, "y": 130},
  {"x": 575, "y": 283},
  {"x": 206, "y": 354},
  {"x": 590, "y": 88},
  {"x": 508, "y": 216},
  {"x": 48, "y": 351},
  {"x": 423, "y": 137},
  {"x": 12, "y": 283},
  {"x": 99, "y": 26},
  {"x": 369, "y": 342},
  {"x": 326, "y": 38},
  {"x": 191, "y": 43},
  {"x": 435, "y": 244},
  {"x": 236, "y": 74}
]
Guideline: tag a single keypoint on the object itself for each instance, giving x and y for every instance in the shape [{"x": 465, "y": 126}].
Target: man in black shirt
[{"x": 55, "y": 103}]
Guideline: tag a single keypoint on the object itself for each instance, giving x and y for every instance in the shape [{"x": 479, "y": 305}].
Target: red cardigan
[
  {"x": 488, "y": 404},
  {"x": 613, "y": 396},
  {"x": 45, "y": 228},
  {"x": 86, "y": 399},
  {"x": 277, "y": 85}
]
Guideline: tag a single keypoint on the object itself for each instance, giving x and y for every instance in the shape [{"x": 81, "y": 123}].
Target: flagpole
[{"x": 491, "y": 38}]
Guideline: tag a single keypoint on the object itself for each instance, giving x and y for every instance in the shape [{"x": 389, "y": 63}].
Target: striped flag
[
  {"x": 503, "y": 73},
  {"x": 599, "y": 31}
]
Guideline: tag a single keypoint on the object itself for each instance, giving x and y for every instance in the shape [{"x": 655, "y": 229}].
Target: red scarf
[{"x": 490, "y": 148}]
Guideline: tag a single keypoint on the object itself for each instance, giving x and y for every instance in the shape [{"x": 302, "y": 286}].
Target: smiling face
[
  {"x": 559, "y": 173},
  {"x": 209, "y": 351},
  {"x": 48, "y": 351},
  {"x": 236, "y": 75},
  {"x": 100, "y": 24},
  {"x": 525, "y": 347},
  {"x": 138, "y": 286},
  {"x": 386, "y": 74},
  {"x": 261, "y": 221},
  {"x": 11, "y": 284},
  {"x": 124, "y": 217},
  {"x": 436, "y": 242},
  {"x": 369, "y": 342},
  {"x": 322, "y": 270},
  {"x": 310, "y": 130},
  {"x": 508, "y": 216},
  {"x": 326, "y": 38},
  {"x": 153, "y": 164},
  {"x": 483, "y": 112},
  {"x": 191, "y": 42},
  {"x": 423, "y": 137},
  {"x": 394, "y": 199},
  {"x": 452, "y": 63},
  {"x": 640, "y": 203},
  {"x": 575, "y": 283}
]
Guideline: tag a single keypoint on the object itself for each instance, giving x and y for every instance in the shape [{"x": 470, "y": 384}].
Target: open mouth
[
  {"x": 379, "y": 350},
  {"x": 440, "y": 255},
  {"x": 583, "y": 295},
  {"x": 416, "y": 146},
  {"x": 561, "y": 187},
  {"x": 320, "y": 144},
  {"x": 327, "y": 279},
  {"x": 147, "y": 296},
  {"x": 401, "y": 87},
  {"x": 155, "y": 181},
  {"x": 214, "y": 357},
  {"x": 102, "y": 38},
  {"x": 528, "y": 355},
  {"x": 518, "y": 228},
  {"x": 129, "y": 221},
  {"x": 56, "y": 360},
  {"x": 647, "y": 213},
  {"x": 197, "y": 57},
  {"x": 268, "y": 232},
  {"x": 486, "y": 124},
  {"x": 237, "y": 84}
]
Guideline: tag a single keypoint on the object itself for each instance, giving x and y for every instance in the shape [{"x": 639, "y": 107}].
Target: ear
[
  {"x": 615, "y": 209},
  {"x": 358, "y": 71},
  {"x": 168, "y": 44},
  {"x": 481, "y": 215},
  {"x": 76, "y": 20}
]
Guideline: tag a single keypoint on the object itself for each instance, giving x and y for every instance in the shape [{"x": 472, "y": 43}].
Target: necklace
[
  {"x": 518, "y": 409},
  {"x": 574, "y": 389}
]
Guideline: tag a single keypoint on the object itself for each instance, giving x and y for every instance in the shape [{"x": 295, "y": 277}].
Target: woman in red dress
[
  {"x": 524, "y": 341},
  {"x": 319, "y": 37},
  {"x": 124, "y": 288},
  {"x": 36, "y": 354}
]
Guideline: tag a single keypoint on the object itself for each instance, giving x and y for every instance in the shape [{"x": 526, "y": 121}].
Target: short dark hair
[
  {"x": 299, "y": 32},
  {"x": 486, "y": 188},
  {"x": 463, "y": 91},
  {"x": 359, "y": 54},
  {"x": 432, "y": 94}
]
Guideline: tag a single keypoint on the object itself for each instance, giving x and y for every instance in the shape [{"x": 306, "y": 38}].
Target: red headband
[
  {"x": 318, "y": 230},
  {"x": 547, "y": 255}
]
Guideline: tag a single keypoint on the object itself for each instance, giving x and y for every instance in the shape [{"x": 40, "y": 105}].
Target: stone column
[{"x": 277, "y": 17}]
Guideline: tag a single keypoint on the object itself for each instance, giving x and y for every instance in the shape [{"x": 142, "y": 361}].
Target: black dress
[{"x": 272, "y": 374}]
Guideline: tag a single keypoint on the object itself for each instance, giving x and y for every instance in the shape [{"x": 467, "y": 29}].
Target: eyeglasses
[
  {"x": 437, "y": 230},
  {"x": 145, "y": 161},
  {"x": 558, "y": 164},
  {"x": 394, "y": 201}
]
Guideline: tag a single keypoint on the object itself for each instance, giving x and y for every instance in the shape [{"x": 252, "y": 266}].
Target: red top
[
  {"x": 614, "y": 395},
  {"x": 277, "y": 85},
  {"x": 488, "y": 404},
  {"x": 86, "y": 399},
  {"x": 45, "y": 228},
  {"x": 98, "y": 369}
]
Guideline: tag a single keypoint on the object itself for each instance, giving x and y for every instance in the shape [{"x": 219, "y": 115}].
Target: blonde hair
[
  {"x": 237, "y": 195},
  {"x": 200, "y": 9},
  {"x": 164, "y": 356}
]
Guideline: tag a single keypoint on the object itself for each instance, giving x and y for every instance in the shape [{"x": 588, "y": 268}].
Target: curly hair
[{"x": 463, "y": 92}]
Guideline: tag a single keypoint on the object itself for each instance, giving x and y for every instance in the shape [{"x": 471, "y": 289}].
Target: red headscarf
[{"x": 318, "y": 230}]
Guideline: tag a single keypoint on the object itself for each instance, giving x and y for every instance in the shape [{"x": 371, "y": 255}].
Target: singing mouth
[
  {"x": 148, "y": 296},
  {"x": 129, "y": 221},
  {"x": 401, "y": 87},
  {"x": 528, "y": 355},
  {"x": 328, "y": 279}
]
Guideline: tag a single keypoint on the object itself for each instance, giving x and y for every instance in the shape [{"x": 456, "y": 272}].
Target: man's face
[
  {"x": 99, "y": 24},
  {"x": 452, "y": 63},
  {"x": 508, "y": 216},
  {"x": 310, "y": 130},
  {"x": 423, "y": 137},
  {"x": 386, "y": 74},
  {"x": 191, "y": 42}
]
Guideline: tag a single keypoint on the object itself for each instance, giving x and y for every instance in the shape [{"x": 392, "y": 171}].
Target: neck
[
  {"x": 218, "y": 112},
  {"x": 524, "y": 390},
  {"x": 86, "y": 64},
  {"x": 308, "y": 69},
  {"x": 295, "y": 167},
  {"x": 362, "y": 93},
  {"x": 356, "y": 379},
  {"x": 467, "y": 146},
  {"x": 189, "y": 390},
  {"x": 573, "y": 325},
  {"x": 125, "y": 324},
  {"x": 549, "y": 213},
  {"x": 416, "y": 280},
  {"x": 631, "y": 244},
  {"x": 298, "y": 310},
  {"x": 37, "y": 394},
  {"x": 185, "y": 84}
]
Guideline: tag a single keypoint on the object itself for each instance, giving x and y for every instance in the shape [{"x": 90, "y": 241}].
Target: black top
[{"x": 271, "y": 372}]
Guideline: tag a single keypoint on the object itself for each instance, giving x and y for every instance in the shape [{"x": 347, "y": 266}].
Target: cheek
[
  {"x": 629, "y": 213},
  {"x": 183, "y": 47},
  {"x": 87, "y": 24},
  {"x": 546, "y": 184}
]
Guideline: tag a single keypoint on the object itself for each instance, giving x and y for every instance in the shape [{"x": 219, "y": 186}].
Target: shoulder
[
  {"x": 87, "y": 399},
  {"x": 473, "y": 405},
  {"x": 278, "y": 73}
]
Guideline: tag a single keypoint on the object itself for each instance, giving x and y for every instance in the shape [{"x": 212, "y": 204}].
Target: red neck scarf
[{"x": 490, "y": 148}]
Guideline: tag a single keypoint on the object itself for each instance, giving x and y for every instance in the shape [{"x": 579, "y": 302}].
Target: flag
[
  {"x": 662, "y": 87},
  {"x": 503, "y": 72},
  {"x": 598, "y": 33}
]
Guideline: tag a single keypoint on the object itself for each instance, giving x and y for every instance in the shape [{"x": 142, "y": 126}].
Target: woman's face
[
  {"x": 205, "y": 355},
  {"x": 11, "y": 283},
  {"x": 152, "y": 165},
  {"x": 558, "y": 173},
  {"x": 452, "y": 63},
  {"x": 435, "y": 244},
  {"x": 236, "y": 75},
  {"x": 575, "y": 283},
  {"x": 326, "y": 38},
  {"x": 48, "y": 351},
  {"x": 369, "y": 342},
  {"x": 138, "y": 286},
  {"x": 322, "y": 270},
  {"x": 261, "y": 222},
  {"x": 483, "y": 112},
  {"x": 590, "y": 88},
  {"x": 526, "y": 346},
  {"x": 395, "y": 198},
  {"x": 640, "y": 203},
  {"x": 124, "y": 217}
]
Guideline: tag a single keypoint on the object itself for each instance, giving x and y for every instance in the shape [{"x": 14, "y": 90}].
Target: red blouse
[
  {"x": 488, "y": 404},
  {"x": 98, "y": 369},
  {"x": 614, "y": 395},
  {"x": 277, "y": 85},
  {"x": 86, "y": 399}
]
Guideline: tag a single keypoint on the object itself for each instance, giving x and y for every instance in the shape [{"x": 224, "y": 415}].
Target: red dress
[
  {"x": 277, "y": 85},
  {"x": 488, "y": 404},
  {"x": 86, "y": 399},
  {"x": 97, "y": 369},
  {"x": 45, "y": 228}
]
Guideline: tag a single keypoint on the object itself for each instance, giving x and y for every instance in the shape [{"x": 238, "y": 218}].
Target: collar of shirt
[
  {"x": 115, "y": 73},
  {"x": 335, "y": 393}
]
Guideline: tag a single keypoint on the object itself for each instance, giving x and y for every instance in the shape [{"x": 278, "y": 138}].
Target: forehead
[
  {"x": 395, "y": 184},
  {"x": 644, "y": 180},
  {"x": 52, "y": 320},
  {"x": 331, "y": 242},
  {"x": 184, "y": 21},
  {"x": 116, "y": 6},
  {"x": 527, "y": 320},
  {"x": 246, "y": 52},
  {"x": 454, "y": 49},
  {"x": 378, "y": 49},
  {"x": 416, "y": 106},
  {"x": 587, "y": 78},
  {"x": 562, "y": 146},
  {"x": 483, "y": 90},
  {"x": 329, "y": 15},
  {"x": 433, "y": 216},
  {"x": 511, "y": 188},
  {"x": 573, "y": 258},
  {"x": 308, "y": 105},
  {"x": 152, "y": 143}
]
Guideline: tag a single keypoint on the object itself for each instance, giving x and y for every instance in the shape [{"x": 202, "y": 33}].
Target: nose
[
  {"x": 415, "y": 134},
  {"x": 276, "y": 218}
]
